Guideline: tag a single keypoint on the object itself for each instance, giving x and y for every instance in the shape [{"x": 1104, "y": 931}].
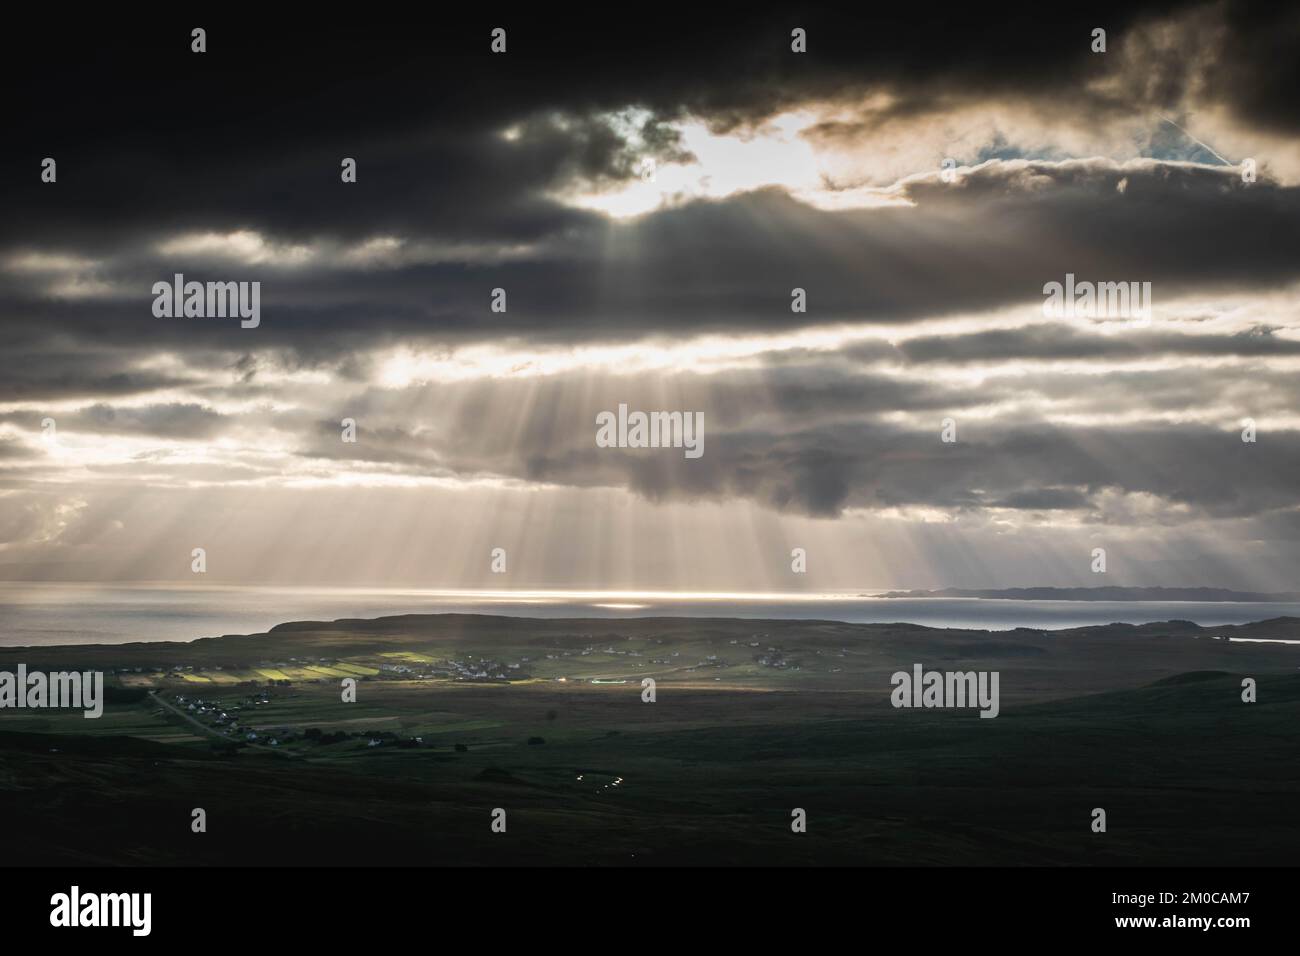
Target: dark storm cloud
[
  {"x": 62, "y": 371},
  {"x": 173, "y": 420},
  {"x": 1062, "y": 342},
  {"x": 155, "y": 144},
  {"x": 250, "y": 134},
  {"x": 814, "y": 440},
  {"x": 991, "y": 239},
  {"x": 238, "y": 139},
  {"x": 1257, "y": 71},
  {"x": 823, "y": 470}
]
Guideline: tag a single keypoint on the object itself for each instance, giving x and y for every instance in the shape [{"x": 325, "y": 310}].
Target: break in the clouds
[{"x": 648, "y": 204}]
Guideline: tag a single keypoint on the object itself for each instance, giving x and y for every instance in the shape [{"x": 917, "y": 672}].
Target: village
[{"x": 543, "y": 664}]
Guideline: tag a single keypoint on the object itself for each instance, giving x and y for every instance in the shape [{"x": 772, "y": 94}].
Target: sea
[{"x": 45, "y": 614}]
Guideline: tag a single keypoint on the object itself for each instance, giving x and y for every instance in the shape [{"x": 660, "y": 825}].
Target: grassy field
[{"x": 1147, "y": 723}]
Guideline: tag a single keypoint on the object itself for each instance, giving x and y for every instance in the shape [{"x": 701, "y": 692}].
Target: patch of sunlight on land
[
  {"x": 221, "y": 677},
  {"x": 318, "y": 670},
  {"x": 360, "y": 669},
  {"x": 306, "y": 672}
]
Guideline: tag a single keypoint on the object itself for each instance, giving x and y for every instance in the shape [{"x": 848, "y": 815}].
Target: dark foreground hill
[{"x": 1186, "y": 776}]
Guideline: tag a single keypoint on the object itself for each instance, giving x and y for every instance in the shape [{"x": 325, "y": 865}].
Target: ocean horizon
[{"x": 45, "y": 614}]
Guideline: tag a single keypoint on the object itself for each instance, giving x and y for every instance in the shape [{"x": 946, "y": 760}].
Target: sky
[{"x": 649, "y": 192}]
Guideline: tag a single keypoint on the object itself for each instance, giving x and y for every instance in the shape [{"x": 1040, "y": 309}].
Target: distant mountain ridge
[{"x": 1103, "y": 594}]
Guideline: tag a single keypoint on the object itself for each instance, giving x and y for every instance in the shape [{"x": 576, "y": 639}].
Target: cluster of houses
[
  {"x": 591, "y": 649},
  {"x": 225, "y": 718},
  {"x": 407, "y": 670},
  {"x": 468, "y": 669},
  {"x": 775, "y": 657}
]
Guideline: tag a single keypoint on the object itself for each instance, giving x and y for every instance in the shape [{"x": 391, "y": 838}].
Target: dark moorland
[{"x": 456, "y": 715}]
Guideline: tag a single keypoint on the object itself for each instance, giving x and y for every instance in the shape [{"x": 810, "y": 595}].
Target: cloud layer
[{"x": 648, "y": 205}]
